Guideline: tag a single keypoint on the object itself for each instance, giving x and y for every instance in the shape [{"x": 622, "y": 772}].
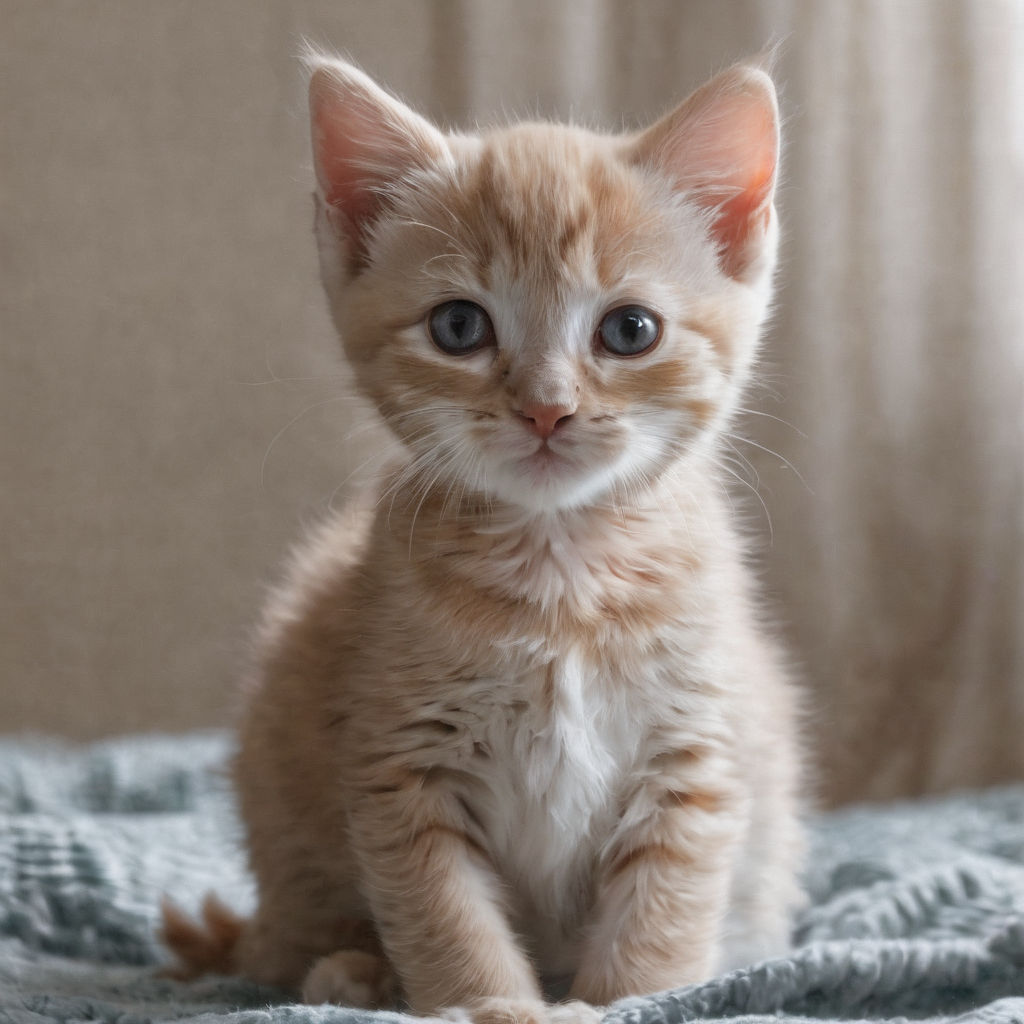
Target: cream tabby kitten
[{"x": 516, "y": 716}]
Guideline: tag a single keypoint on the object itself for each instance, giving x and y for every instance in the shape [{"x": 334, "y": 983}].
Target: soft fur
[{"x": 516, "y": 716}]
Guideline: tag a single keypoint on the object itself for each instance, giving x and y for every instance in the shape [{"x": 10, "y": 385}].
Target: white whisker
[
  {"x": 295, "y": 419},
  {"x": 769, "y": 416},
  {"x": 781, "y": 458}
]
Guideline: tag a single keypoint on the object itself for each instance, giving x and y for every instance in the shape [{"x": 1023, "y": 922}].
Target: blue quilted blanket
[{"x": 917, "y": 909}]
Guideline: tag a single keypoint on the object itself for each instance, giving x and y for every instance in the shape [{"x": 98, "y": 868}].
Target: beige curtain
[
  {"x": 171, "y": 403},
  {"x": 900, "y": 346}
]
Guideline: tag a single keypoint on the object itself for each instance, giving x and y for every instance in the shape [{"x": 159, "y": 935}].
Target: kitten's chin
[{"x": 548, "y": 482}]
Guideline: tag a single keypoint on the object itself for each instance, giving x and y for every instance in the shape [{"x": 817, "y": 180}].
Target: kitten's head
[{"x": 541, "y": 313}]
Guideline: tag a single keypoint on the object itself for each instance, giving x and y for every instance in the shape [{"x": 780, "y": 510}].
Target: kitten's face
[{"x": 539, "y": 313}]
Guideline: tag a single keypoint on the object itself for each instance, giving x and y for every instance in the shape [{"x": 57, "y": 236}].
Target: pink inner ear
[
  {"x": 345, "y": 141},
  {"x": 363, "y": 141},
  {"x": 750, "y": 152},
  {"x": 722, "y": 146}
]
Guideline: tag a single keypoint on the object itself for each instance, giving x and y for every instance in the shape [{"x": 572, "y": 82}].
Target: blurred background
[{"x": 172, "y": 409}]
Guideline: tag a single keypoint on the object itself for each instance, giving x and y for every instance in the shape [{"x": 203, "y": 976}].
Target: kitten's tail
[{"x": 202, "y": 947}]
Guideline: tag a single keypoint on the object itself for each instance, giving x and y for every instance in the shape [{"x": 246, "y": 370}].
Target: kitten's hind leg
[
  {"x": 352, "y": 977},
  {"x": 278, "y": 947}
]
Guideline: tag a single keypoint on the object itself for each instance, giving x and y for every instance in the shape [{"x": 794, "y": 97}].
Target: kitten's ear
[
  {"x": 721, "y": 147},
  {"x": 364, "y": 142}
]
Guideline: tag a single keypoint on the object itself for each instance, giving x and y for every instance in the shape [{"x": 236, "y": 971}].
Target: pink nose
[{"x": 544, "y": 419}]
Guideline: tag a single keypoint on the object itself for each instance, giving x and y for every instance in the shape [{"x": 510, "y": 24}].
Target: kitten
[{"x": 517, "y": 717}]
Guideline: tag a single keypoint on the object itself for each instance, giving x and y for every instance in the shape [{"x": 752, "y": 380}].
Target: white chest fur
[{"x": 561, "y": 744}]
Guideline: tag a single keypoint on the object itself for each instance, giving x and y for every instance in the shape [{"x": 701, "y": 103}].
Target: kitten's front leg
[
  {"x": 436, "y": 902},
  {"x": 662, "y": 893}
]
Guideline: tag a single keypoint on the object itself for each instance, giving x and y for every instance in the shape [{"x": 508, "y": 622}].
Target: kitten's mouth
[{"x": 544, "y": 462}]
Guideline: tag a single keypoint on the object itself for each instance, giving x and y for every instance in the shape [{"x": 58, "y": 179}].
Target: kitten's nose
[{"x": 543, "y": 420}]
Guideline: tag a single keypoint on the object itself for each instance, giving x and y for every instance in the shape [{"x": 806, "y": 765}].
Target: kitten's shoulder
[{"x": 319, "y": 569}]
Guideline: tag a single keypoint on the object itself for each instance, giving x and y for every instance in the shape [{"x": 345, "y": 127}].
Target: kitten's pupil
[
  {"x": 457, "y": 324},
  {"x": 460, "y": 327},
  {"x": 630, "y": 327},
  {"x": 629, "y": 330}
]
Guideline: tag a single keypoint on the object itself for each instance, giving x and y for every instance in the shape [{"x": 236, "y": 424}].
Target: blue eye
[
  {"x": 629, "y": 330},
  {"x": 460, "y": 327}
]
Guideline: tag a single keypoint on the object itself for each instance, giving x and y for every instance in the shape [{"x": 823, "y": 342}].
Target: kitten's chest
[
  {"x": 559, "y": 740},
  {"x": 561, "y": 743}
]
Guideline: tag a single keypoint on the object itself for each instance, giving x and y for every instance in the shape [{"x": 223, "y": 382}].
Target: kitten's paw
[
  {"x": 575, "y": 1011},
  {"x": 351, "y": 977},
  {"x": 524, "y": 1011}
]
